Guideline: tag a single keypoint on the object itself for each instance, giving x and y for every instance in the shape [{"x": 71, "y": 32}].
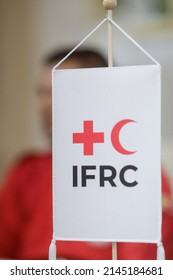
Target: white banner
[{"x": 106, "y": 154}]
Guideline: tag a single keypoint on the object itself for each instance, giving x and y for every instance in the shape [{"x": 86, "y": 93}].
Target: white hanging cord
[
  {"x": 75, "y": 48},
  {"x": 110, "y": 60},
  {"x": 133, "y": 41}
]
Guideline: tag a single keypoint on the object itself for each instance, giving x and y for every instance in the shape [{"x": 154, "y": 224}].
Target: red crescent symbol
[{"x": 115, "y": 137}]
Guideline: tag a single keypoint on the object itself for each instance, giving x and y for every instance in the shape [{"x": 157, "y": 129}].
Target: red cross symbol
[{"x": 88, "y": 138}]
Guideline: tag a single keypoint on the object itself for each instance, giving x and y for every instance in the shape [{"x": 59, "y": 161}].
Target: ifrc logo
[
  {"x": 89, "y": 137},
  {"x": 107, "y": 174}
]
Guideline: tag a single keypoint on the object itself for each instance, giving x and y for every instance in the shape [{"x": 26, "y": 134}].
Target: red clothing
[{"x": 26, "y": 220}]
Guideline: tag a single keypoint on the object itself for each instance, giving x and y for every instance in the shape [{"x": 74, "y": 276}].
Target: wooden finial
[{"x": 109, "y": 4}]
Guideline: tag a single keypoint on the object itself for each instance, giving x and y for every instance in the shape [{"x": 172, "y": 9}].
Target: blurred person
[{"x": 26, "y": 197}]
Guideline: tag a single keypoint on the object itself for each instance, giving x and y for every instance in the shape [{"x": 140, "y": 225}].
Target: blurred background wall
[{"x": 29, "y": 29}]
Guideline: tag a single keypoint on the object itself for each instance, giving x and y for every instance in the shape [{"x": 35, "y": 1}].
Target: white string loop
[
  {"x": 95, "y": 29},
  {"x": 75, "y": 48},
  {"x": 133, "y": 41}
]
